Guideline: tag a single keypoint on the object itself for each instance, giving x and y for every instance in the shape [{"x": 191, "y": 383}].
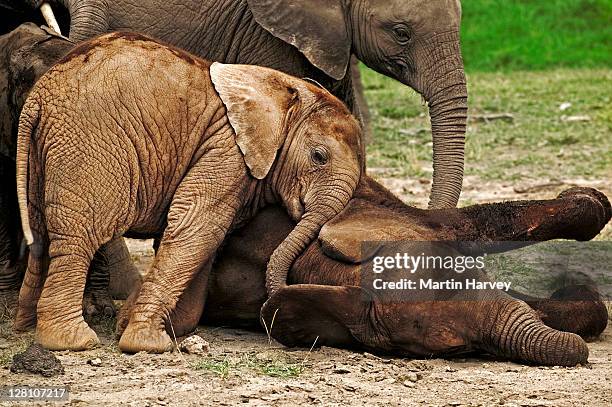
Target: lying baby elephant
[
  {"x": 328, "y": 304},
  {"x": 125, "y": 136}
]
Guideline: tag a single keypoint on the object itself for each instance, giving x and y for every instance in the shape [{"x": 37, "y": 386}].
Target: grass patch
[
  {"x": 535, "y": 34},
  {"x": 280, "y": 367},
  {"x": 540, "y": 143}
]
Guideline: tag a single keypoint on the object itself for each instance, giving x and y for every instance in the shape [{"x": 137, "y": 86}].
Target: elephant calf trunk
[
  {"x": 514, "y": 330},
  {"x": 285, "y": 254}
]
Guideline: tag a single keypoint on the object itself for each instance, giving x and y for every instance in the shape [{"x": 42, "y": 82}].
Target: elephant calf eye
[{"x": 319, "y": 156}]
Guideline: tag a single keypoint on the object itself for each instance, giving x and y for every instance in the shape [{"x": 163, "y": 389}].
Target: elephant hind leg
[
  {"x": 74, "y": 238},
  {"x": 34, "y": 279}
]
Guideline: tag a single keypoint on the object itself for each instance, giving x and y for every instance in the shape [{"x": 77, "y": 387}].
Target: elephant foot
[
  {"x": 125, "y": 313},
  {"x": 98, "y": 303},
  {"x": 25, "y": 319},
  {"x": 145, "y": 337},
  {"x": 577, "y": 309},
  {"x": 57, "y": 336},
  {"x": 593, "y": 212}
]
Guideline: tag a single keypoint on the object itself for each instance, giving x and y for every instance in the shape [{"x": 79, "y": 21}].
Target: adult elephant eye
[
  {"x": 402, "y": 34},
  {"x": 319, "y": 156}
]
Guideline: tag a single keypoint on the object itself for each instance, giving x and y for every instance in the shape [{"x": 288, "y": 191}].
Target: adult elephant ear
[
  {"x": 258, "y": 101},
  {"x": 302, "y": 314},
  {"x": 316, "y": 27}
]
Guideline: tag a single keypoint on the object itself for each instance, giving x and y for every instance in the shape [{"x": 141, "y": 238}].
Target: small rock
[
  {"x": 95, "y": 362},
  {"x": 341, "y": 370},
  {"x": 564, "y": 106},
  {"x": 413, "y": 377},
  {"x": 36, "y": 359},
  {"x": 408, "y": 383},
  {"x": 4, "y": 344},
  {"x": 349, "y": 387},
  {"x": 450, "y": 369},
  {"x": 195, "y": 345}
]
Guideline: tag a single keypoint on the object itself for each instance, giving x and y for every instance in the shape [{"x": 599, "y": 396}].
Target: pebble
[
  {"x": 95, "y": 362},
  {"x": 413, "y": 377},
  {"x": 195, "y": 345}
]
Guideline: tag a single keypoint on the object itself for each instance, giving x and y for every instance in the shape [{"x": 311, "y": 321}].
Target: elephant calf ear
[{"x": 257, "y": 101}]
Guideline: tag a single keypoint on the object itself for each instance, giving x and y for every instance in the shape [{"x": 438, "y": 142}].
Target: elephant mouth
[{"x": 296, "y": 208}]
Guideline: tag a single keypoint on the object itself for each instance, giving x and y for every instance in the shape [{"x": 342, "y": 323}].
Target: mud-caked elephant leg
[
  {"x": 60, "y": 318},
  {"x": 179, "y": 258},
  {"x": 578, "y": 213},
  {"x": 187, "y": 312}
]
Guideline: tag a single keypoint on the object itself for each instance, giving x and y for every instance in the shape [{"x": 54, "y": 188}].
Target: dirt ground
[{"x": 245, "y": 368}]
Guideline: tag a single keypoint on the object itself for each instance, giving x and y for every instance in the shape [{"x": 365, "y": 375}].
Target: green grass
[
  {"x": 537, "y": 145},
  {"x": 536, "y": 34},
  {"x": 279, "y": 367}
]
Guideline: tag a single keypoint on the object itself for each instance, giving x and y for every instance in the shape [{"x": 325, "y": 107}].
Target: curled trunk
[
  {"x": 307, "y": 229},
  {"x": 512, "y": 329}
]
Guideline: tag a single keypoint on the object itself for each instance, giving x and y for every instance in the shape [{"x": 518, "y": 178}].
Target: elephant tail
[{"x": 28, "y": 121}]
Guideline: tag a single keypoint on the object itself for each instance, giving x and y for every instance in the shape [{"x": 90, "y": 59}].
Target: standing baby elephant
[{"x": 125, "y": 136}]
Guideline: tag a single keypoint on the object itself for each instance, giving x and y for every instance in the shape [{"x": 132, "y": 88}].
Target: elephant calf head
[{"x": 302, "y": 140}]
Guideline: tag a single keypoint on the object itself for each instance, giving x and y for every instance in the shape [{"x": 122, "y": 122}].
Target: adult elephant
[
  {"x": 413, "y": 41},
  {"x": 328, "y": 301}
]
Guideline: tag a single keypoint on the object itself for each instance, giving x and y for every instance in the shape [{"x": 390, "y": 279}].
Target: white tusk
[{"x": 47, "y": 13}]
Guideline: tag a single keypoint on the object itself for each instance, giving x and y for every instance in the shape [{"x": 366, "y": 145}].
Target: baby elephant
[{"x": 126, "y": 136}]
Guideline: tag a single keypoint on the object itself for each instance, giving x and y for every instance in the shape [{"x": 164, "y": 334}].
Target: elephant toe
[{"x": 145, "y": 339}]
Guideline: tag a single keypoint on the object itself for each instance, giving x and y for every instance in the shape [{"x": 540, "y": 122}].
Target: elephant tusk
[{"x": 47, "y": 13}]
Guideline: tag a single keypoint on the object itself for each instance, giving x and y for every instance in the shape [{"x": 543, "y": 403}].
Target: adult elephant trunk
[
  {"x": 302, "y": 235},
  {"x": 443, "y": 85},
  {"x": 514, "y": 329}
]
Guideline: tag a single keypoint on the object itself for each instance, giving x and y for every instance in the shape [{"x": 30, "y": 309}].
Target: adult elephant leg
[
  {"x": 578, "y": 213},
  {"x": 510, "y": 328},
  {"x": 11, "y": 266}
]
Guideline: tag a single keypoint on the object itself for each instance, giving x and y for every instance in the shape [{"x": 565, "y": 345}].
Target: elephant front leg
[
  {"x": 197, "y": 225},
  {"x": 578, "y": 213}
]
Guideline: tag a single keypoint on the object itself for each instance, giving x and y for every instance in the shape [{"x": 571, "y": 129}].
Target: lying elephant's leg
[
  {"x": 578, "y": 213},
  {"x": 577, "y": 309}
]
